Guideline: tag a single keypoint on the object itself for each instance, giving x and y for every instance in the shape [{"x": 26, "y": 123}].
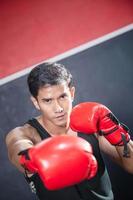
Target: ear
[
  {"x": 35, "y": 102},
  {"x": 72, "y": 91}
]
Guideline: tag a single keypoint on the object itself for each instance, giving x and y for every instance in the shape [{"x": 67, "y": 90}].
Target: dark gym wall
[{"x": 103, "y": 73}]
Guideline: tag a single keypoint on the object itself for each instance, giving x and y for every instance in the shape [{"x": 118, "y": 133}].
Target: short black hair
[{"x": 48, "y": 74}]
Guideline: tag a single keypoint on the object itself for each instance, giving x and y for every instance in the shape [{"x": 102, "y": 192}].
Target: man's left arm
[
  {"x": 116, "y": 153},
  {"x": 127, "y": 162},
  {"x": 114, "y": 136}
]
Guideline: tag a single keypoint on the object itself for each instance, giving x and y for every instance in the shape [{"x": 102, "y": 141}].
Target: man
[{"x": 32, "y": 146}]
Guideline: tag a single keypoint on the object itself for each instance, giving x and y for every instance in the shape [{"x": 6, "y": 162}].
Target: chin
[{"x": 62, "y": 123}]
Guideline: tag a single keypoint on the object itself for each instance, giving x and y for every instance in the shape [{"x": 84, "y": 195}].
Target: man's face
[{"x": 55, "y": 103}]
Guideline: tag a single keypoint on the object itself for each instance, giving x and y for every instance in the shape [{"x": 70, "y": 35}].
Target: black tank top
[{"x": 98, "y": 188}]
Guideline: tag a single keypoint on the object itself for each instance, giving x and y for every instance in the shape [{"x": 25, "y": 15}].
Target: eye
[
  {"x": 63, "y": 96},
  {"x": 47, "y": 100}
]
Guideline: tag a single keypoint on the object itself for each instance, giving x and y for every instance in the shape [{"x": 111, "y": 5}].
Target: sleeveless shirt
[{"x": 97, "y": 188}]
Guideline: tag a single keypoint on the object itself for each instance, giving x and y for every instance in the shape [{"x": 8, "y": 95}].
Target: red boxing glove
[
  {"x": 92, "y": 117},
  {"x": 60, "y": 161}
]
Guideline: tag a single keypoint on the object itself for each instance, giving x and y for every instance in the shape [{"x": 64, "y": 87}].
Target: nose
[{"x": 57, "y": 107}]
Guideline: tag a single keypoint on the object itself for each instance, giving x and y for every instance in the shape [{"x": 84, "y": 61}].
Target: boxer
[{"x": 82, "y": 133}]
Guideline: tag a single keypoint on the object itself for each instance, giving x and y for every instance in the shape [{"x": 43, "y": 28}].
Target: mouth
[{"x": 60, "y": 116}]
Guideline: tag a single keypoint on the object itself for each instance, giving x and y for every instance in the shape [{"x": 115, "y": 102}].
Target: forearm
[
  {"x": 126, "y": 162},
  {"x": 13, "y": 153},
  {"x": 14, "y": 146}
]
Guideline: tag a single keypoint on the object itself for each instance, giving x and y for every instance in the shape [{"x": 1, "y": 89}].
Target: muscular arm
[
  {"x": 17, "y": 140},
  {"x": 116, "y": 153}
]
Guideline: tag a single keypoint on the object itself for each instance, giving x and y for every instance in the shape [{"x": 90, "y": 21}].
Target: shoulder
[
  {"x": 25, "y": 132},
  {"x": 20, "y": 131}
]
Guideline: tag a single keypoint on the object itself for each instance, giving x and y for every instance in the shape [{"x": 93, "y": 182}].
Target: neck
[{"x": 52, "y": 129}]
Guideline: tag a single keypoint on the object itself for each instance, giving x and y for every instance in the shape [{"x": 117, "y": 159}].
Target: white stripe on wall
[{"x": 70, "y": 52}]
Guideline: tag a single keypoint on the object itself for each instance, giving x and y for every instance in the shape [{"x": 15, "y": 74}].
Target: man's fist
[
  {"x": 92, "y": 117},
  {"x": 61, "y": 161}
]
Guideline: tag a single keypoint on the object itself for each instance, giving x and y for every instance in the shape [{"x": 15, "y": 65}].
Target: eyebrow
[
  {"x": 47, "y": 99},
  {"x": 63, "y": 94}
]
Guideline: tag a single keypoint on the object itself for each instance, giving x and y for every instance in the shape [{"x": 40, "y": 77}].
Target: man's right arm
[
  {"x": 50, "y": 158},
  {"x": 16, "y": 141}
]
